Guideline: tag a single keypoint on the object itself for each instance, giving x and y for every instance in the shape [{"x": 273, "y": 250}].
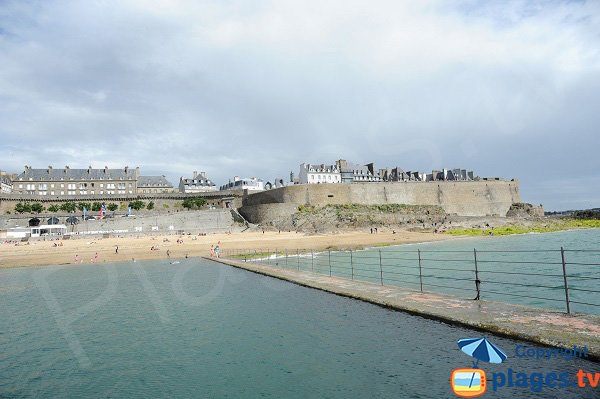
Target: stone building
[
  {"x": 250, "y": 184},
  {"x": 199, "y": 183},
  {"x": 154, "y": 184},
  {"x": 5, "y": 184},
  {"x": 69, "y": 181},
  {"x": 319, "y": 174}
]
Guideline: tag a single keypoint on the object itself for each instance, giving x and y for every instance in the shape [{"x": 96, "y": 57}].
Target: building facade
[
  {"x": 5, "y": 184},
  {"x": 199, "y": 183},
  {"x": 154, "y": 184},
  {"x": 319, "y": 174},
  {"x": 250, "y": 184},
  {"x": 67, "y": 181}
]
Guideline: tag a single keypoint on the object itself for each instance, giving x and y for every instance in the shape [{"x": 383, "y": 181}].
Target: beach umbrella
[
  {"x": 53, "y": 220},
  {"x": 34, "y": 222},
  {"x": 481, "y": 349},
  {"x": 72, "y": 220}
]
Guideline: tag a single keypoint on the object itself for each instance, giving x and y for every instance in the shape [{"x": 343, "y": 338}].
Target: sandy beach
[{"x": 39, "y": 253}]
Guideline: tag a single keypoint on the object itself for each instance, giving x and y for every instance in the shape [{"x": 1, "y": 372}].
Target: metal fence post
[
  {"x": 286, "y": 257},
  {"x": 562, "y": 255},
  {"x": 380, "y": 268},
  {"x": 351, "y": 265},
  {"x": 329, "y": 263},
  {"x": 420, "y": 271},
  {"x": 477, "y": 281}
]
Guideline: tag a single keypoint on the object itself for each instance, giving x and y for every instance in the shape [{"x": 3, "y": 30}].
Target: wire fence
[{"x": 561, "y": 279}]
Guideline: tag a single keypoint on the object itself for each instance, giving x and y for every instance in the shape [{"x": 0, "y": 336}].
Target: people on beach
[
  {"x": 77, "y": 259},
  {"x": 217, "y": 250},
  {"x": 168, "y": 253},
  {"x": 212, "y": 251},
  {"x": 117, "y": 250}
]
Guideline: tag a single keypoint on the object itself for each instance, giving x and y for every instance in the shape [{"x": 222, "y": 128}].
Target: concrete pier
[{"x": 536, "y": 325}]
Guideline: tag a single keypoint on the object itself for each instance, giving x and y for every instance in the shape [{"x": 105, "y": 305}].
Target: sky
[{"x": 255, "y": 88}]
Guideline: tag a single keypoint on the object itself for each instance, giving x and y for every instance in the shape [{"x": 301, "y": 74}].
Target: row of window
[
  {"x": 73, "y": 186},
  {"x": 323, "y": 178},
  {"x": 81, "y": 192}
]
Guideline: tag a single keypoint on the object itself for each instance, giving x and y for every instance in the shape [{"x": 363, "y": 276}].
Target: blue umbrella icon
[{"x": 481, "y": 349}]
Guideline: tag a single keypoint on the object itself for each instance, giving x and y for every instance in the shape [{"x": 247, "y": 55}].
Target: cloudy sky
[{"x": 254, "y": 88}]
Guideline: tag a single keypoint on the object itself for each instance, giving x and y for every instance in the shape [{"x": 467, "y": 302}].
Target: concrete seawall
[
  {"x": 478, "y": 198},
  {"x": 540, "y": 326}
]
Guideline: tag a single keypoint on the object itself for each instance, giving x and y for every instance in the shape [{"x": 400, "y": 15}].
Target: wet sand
[{"x": 39, "y": 253}]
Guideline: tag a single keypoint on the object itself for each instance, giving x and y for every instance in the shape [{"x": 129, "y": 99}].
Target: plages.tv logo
[{"x": 471, "y": 382}]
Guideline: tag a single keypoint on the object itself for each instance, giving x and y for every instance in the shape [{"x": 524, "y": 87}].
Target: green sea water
[
  {"x": 199, "y": 329},
  {"x": 523, "y": 269}
]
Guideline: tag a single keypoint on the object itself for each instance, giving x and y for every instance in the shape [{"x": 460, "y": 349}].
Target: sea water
[
  {"x": 202, "y": 329},
  {"x": 524, "y": 269}
]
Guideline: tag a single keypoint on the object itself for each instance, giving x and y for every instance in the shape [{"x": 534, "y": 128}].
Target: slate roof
[
  {"x": 153, "y": 181},
  {"x": 52, "y": 174}
]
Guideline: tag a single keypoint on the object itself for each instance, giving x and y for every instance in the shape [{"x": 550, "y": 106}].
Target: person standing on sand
[
  {"x": 117, "y": 250},
  {"x": 212, "y": 251},
  {"x": 168, "y": 254}
]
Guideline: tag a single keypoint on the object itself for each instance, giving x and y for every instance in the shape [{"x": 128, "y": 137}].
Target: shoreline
[{"x": 44, "y": 253}]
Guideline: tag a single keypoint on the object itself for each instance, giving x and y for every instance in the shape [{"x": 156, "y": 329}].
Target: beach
[{"x": 95, "y": 249}]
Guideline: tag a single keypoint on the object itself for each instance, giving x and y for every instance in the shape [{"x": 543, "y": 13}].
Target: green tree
[
  {"x": 37, "y": 207},
  {"x": 112, "y": 207},
  {"x": 194, "y": 203},
  {"x": 85, "y": 205},
  {"x": 53, "y": 208},
  {"x": 150, "y": 205},
  {"x": 137, "y": 205},
  {"x": 96, "y": 206},
  {"x": 68, "y": 207},
  {"x": 23, "y": 207}
]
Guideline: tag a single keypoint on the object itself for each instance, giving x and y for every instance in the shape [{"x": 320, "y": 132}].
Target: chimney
[
  {"x": 89, "y": 169},
  {"x": 203, "y": 174},
  {"x": 195, "y": 174},
  {"x": 49, "y": 169},
  {"x": 137, "y": 172},
  {"x": 67, "y": 169},
  {"x": 126, "y": 169},
  {"x": 105, "y": 169}
]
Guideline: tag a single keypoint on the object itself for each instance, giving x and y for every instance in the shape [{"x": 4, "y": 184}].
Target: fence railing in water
[{"x": 557, "y": 278}]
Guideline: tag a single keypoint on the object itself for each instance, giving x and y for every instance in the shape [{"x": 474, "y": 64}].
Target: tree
[
  {"x": 23, "y": 208},
  {"x": 68, "y": 207},
  {"x": 85, "y": 205},
  {"x": 112, "y": 207},
  {"x": 96, "y": 206},
  {"x": 37, "y": 207},
  {"x": 150, "y": 205},
  {"x": 194, "y": 203},
  {"x": 137, "y": 205},
  {"x": 53, "y": 208}
]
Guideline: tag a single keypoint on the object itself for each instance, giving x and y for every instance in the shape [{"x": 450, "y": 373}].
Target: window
[
  {"x": 82, "y": 192},
  {"x": 62, "y": 185},
  {"x": 43, "y": 186},
  {"x": 82, "y": 186},
  {"x": 71, "y": 186},
  {"x": 71, "y": 193},
  {"x": 52, "y": 185},
  {"x": 51, "y": 192},
  {"x": 101, "y": 185},
  {"x": 62, "y": 193},
  {"x": 20, "y": 186}
]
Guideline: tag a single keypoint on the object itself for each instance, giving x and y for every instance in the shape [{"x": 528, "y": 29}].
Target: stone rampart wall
[{"x": 480, "y": 198}]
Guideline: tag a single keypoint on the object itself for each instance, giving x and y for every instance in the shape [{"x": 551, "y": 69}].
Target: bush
[
  {"x": 53, "y": 208},
  {"x": 137, "y": 205},
  {"x": 68, "y": 207},
  {"x": 150, "y": 205},
  {"x": 37, "y": 207},
  {"x": 96, "y": 207},
  {"x": 112, "y": 207},
  {"x": 23, "y": 208},
  {"x": 85, "y": 205},
  {"x": 194, "y": 203}
]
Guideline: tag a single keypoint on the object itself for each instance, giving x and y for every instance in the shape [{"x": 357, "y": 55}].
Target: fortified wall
[{"x": 474, "y": 198}]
